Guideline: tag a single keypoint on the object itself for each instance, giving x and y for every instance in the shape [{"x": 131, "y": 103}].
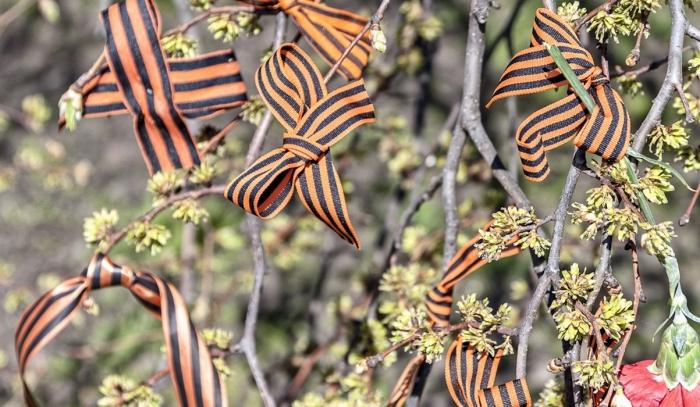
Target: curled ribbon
[
  {"x": 329, "y": 30},
  {"x": 314, "y": 120},
  {"x": 469, "y": 375},
  {"x": 194, "y": 377},
  {"x": 605, "y": 131},
  {"x": 158, "y": 92}
]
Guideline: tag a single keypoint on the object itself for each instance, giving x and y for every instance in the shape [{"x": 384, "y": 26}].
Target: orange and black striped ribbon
[
  {"x": 439, "y": 299},
  {"x": 314, "y": 120},
  {"x": 329, "y": 30},
  {"x": 203, "y": 86},
  {"x": 194, "y": 377},
  {"x": 604, "y": 132},
  {"x": 403, "y": 386},
  {"x": 146, "y": 82},
  {"x": 438, "y": 303},
  {"x": 470, "y": 378}
]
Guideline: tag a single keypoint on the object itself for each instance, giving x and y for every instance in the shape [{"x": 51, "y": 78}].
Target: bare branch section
[
  {"x": 247, "y": 342},
  {"x": 674, "y": 73}
]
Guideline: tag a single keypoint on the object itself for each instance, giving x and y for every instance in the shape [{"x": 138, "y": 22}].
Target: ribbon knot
[
  {"x": 314, "y": 120},
  {"x": 605, "y": 131},
  {"x": 102, "y": 273},
  {"x": 329, "y": 30},
  {"x": 306, "y": 149}
]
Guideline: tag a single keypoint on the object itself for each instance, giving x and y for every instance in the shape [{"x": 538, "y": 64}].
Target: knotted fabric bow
[
  {"x": 157, "y": 92},
  {"x": 313, "y": 119},
  {"x": 196, "y": 380},
  {"x": 605, "y": 131},
  {"x": 329, "y": 31},
  {"x": 469, "y": 376}
]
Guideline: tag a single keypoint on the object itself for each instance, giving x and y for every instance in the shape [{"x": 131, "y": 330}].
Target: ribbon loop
[
  {"x": 605, "y": 131},
  {"x": 329, "y": 30},
  {"x": 306, "y": 149},
  {"x": 314, "y": 119},
  {"x": 194, "y": 376}
]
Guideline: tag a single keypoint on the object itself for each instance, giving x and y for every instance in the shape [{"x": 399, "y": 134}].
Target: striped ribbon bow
[
  {"x": 313, "y": 119},
  {"x": 157, "y": 92},
  {"x": 329, "y": 30},
  {"x": 464, "y": 367},
  {"x": 605, "y": 131},
  {"x": 470, "y": 377},
  {"x": 196, "y": 380}
]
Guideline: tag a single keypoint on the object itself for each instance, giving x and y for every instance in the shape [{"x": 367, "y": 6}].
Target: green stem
[
  {"x": 570, "y": 76},
  {"x": 670, "y": 263}
]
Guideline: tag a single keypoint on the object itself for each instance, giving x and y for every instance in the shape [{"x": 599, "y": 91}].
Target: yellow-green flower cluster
[
  {"x": 190, "y": 211},
  {"x": 148, "y": 236},
  {"x": 119, "y": 390},
  {"x": 506, "y": 223},
  {"x": 227, "y": 27},
  {"x": 471, "y": 309},
  {"x": 253, "y": 110},
  {"x": 98, "y": 227},
  {"x": 594, "y": 374},
  {"x": 179, "y": 45}
]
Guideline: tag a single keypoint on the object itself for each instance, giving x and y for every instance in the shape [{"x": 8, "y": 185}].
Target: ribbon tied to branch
[
  {"x": 314, "y": 120},
  {"x": 329, "y": 30},
  {"x": 605, "y": 131},
  {"x": 158, "y": 92},
  {"x": 469, "y": 374},
  {"x": 194, "y": 377}
]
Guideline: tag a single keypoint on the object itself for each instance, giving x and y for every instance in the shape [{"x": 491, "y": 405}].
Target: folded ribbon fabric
[
  {"x": 194, "y": 377},
  {"x": 158, "y": 92},
  {"x": 605, "y": 131},
  {"x": 292, "y": 88},
  {"x": 329, "y": 30},
  {"x": 470, "y": 377},
  {"x": 438, "y": 301},
  {"x": 203, "y": 86}
]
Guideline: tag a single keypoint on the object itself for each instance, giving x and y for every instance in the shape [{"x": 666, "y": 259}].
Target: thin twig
[
  {"x": 686, "y": 107},
  {"x": 685, "y": 219},
  {"x": 218, "y": 137},
  {"x": 247, "y": 342},
  {"x": 674, "y": 73},
  {"x": 375, "y": 20},
  {"x": 212, "y": 11},
  {"x": 153, "y": 212},
  {"x": 585, "y": 19}
]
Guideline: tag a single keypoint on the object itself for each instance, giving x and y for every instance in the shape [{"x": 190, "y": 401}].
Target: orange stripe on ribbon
[
  {"x": 194, "y": 377},
  {"x": 158, "y": 92},
  {"x": 469, "y": 375},
  {"x": 329, "y": 30},
  {"x": 470, "y": 378},
  {"x": 314, "y": 120},
  {"x": 604, "y": 132}
]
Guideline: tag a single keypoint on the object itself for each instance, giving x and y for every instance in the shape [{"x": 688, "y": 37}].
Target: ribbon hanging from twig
[
  {"x": 605, "y": 131},
  {"x": 329, "y": 30},
  {"x": 158, "y": 92},
  {"x": 314, "y": 120},
  {"x": 463, "y": 365},
  {"x": 194, "y": 377}
]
